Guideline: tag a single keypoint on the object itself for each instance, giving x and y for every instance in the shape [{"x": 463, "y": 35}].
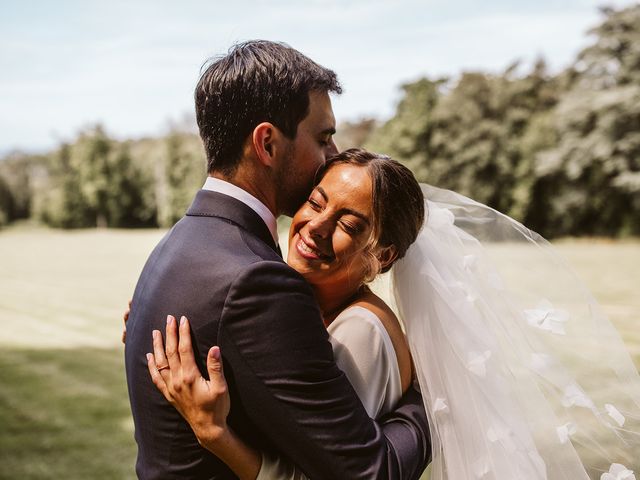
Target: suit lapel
[{"x": 213, "y": 204}]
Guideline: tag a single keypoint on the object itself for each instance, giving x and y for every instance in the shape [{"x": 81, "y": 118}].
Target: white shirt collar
[{"x": 222, "y": 186}]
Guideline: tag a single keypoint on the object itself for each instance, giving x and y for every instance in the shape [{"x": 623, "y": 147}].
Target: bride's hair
[{"x": 398, "y": 204}]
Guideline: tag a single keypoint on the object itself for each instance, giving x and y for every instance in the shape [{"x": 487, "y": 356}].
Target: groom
[{"x": 266, "y": 122}]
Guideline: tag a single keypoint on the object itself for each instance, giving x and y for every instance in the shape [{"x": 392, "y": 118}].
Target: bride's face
[{"x": 330, "y": 232}]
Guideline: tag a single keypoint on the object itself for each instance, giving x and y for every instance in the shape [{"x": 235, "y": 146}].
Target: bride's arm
[{"x": 205, "y": 405}]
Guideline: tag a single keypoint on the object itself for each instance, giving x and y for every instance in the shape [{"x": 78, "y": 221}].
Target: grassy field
[{"x": 64, "y": 410}]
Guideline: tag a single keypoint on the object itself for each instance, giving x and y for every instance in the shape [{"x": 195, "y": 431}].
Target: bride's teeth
[{"x": 306, "y": 248}]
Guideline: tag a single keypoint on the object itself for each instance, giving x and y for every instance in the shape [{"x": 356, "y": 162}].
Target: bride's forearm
[{"x": 243, "y": 460}]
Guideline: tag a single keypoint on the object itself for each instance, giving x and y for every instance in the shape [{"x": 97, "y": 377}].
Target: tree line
[
  {"x": 97, "y": 181},
  {"x": 560, "y": 152}
]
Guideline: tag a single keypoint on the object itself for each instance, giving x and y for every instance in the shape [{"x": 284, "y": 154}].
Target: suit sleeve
[{"x": 282, "y": 363}]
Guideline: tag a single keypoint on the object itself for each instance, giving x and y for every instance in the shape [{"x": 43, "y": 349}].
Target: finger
[
  {"x": 185, "y": 350},
  {"x": 127, "y": 311},
  {"x": 171, "y": 344},
  {"x": 214, "y": 367},
  {"x": 158, "y": 352},
  {"x": 125, "y": 317},
  {"x": 156, "y": 378}
]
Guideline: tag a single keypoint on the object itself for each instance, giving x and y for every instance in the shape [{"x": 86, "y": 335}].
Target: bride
[{"x": 521, "y": 375}]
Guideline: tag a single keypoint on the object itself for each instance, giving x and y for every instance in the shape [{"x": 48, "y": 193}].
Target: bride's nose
[{"x": 320, "y": 226}]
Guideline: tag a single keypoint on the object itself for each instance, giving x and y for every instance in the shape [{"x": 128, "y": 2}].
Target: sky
[{"x": 132, "y": 65}]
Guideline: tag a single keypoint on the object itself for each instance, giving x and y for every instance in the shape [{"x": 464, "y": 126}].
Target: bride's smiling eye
[
  {"x": 317, "y": 199},
  {"x": 350, "y": 228},
  {"x": 314, "y": 205}
]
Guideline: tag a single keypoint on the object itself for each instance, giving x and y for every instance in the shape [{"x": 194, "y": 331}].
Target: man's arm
[{"x": 277, "y": 349}]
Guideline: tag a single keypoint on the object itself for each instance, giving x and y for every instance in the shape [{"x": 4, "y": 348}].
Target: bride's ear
[{"x": 386, "y": 256}]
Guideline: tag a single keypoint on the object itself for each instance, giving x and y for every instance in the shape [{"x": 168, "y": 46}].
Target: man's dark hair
[{"x": 257, "y": 81}]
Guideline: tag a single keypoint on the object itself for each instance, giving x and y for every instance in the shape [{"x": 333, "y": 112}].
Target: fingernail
[
  {"x": 215, "y": 353},
  {"x": 183, "y": 319},
  {"x": 169, "y": 318},
  {"x": 154, "y": 334},
  {"x": 148, "y": 357}
]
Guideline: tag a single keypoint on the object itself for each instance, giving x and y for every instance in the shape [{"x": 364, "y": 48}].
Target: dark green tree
[
  {"x": 588, "y": 181},
  {"x": 18, "y": 171},
  {"x": 466, "y": 135},
  {"x": 6, "y": 203},
  {"x": 95, "y": 181},
  {"x": 614, "y": 57},
  {"x": 407, "y": 135},
  {"x": 60, "y": 201},
  {"x": 180, "y": 174},
  {"x": 90, "y": 157},
  {"x": 128, "y": 204}
]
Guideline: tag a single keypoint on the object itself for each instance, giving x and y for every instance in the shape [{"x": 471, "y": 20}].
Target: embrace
[{"x": 299, "y": 370}]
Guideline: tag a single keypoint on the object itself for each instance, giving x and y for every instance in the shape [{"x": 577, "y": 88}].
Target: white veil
[{"x": 522, "y": 375}]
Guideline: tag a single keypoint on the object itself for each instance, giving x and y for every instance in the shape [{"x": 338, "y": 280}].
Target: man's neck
[{"x": 251, "y": 186}]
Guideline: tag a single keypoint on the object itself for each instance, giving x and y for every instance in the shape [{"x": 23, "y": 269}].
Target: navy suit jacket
[{"x": 218, "y": 266}]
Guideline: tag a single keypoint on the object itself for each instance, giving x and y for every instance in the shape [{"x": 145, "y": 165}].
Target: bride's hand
[
  {"x": 125, "y": 317},
  {"x": 204, "y": 404}
]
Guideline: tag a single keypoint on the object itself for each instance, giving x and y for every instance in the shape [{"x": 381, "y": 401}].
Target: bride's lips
[{"x": 307, "y": 249}]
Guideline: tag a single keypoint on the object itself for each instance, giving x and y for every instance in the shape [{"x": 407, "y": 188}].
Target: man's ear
[
  {"x": 386, "y": 256},
  {"x": 266, "y": 142}
]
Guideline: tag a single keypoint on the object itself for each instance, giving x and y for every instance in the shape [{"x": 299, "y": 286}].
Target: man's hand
[
  {"x": 204, "y": 404},
  {"x": 125, "y": 317}
]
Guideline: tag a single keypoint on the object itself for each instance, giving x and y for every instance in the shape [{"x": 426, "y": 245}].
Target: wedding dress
[
  {"x": 364, "y": 352},
  {"x": 522, "y": 375}
]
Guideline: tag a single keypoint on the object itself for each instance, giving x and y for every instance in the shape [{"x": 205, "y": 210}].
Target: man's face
[{"x": 309, "y": 150}]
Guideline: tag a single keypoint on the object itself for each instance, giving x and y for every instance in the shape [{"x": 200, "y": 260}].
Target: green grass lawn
[
  {"x": 64, "y": 413},
  {"x": 64, "y": 410}
]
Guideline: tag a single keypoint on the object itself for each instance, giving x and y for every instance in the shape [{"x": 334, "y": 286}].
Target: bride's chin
[{"x": 309, "y": 269}]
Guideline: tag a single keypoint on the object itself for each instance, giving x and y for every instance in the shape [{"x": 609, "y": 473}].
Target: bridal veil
[{"x": 522, "y": 375}]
